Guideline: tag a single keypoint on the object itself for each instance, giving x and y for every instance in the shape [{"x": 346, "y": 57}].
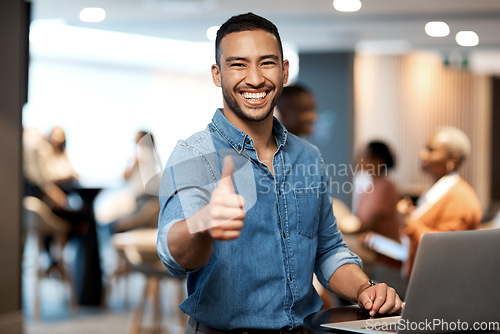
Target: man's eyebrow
[
  {"x": 235, "y": 58},
  {"x": 229, "y": 59},
  {"x": 271, "y": 56}
]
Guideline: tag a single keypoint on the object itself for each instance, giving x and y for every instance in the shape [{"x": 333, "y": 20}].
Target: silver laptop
[{"x": 455, "y": 286}]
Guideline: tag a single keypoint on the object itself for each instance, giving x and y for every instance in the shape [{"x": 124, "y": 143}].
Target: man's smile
[{"x": 255, "y": 98}]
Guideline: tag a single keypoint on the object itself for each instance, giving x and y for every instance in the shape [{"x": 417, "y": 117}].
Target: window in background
[{"x": 103, "y": 86}]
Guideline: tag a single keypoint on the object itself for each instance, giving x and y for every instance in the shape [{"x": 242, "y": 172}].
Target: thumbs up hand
[{"x": 226, "y": 207}]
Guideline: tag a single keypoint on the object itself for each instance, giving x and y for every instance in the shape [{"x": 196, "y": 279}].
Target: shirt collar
[
  {"x": 435, "y": 193},
  {"x": 238, "y": 139},
  {"x": 280, "y": 133}
]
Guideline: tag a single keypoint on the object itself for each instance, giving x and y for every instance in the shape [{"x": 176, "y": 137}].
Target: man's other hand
[{"x": 380, "y": 298}]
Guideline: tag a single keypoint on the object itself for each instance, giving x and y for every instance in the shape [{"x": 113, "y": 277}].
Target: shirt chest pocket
[{"x": 307, "y": 202}]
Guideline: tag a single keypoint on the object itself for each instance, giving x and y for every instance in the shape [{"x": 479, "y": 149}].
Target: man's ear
[
  {"x": 286, "y": 66},
  {"x": 216, "y": 75}
]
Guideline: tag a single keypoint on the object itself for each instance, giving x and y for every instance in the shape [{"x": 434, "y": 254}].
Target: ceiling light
[
  {"x": 347, "y": 5},
  {"x": 92, "y": 14},
  {"x": 383, "y": 47},
  {"x": 437, "y": 29},
  {"x": 212, "y": 33},
  {"x": 467, "y": 38}
]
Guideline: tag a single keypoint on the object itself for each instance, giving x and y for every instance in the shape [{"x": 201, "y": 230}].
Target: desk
[
  {"x": 312, "y": 323},
  {"x": 88, "y": 275}
]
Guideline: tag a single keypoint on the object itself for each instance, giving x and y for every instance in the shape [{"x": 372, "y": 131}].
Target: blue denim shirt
[{"x": 263, "y": 279}]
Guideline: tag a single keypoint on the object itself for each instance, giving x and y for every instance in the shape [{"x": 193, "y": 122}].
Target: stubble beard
[{"x": 238, "y": 111}]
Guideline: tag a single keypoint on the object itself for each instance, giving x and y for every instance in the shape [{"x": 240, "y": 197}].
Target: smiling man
[{"x": 245, "y": 210}]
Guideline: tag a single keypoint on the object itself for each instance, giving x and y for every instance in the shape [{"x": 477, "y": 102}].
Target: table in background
[
  {"x": 88, "y": 274},
  {"x": 312, "y": 323}
]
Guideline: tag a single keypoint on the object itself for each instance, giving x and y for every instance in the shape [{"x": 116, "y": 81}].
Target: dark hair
[
  {"x": 379, "y": 149},
  {"x": 245, "y": 22},
  {"x": 143, "y": 133},
  {"x": 293, "y": 90},
  {"x": 289, "y": 92}
]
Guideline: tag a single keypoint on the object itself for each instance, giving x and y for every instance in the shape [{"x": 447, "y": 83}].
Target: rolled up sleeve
[
  {"x": 332, "y": 252},
  {"x": 185, "y": 189},
  {"x": 164, "y": 253}
]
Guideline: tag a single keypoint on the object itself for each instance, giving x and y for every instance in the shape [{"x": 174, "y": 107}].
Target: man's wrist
[{"x": 365, "y": 286}]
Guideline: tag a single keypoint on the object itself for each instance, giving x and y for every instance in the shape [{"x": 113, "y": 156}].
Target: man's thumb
[{"x": 227, "y": 173}]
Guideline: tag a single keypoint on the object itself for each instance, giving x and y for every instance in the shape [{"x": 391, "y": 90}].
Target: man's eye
[
  {"x": 269, "y": 63},
  {"x": 237, "y": 65}
]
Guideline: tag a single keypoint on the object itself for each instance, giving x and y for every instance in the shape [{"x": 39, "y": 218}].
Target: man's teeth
[{"x": 254, "y": 96}]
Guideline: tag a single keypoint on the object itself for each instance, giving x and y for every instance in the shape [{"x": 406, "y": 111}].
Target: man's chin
[
  {"x": 259, "y": 119},
  {"x": 255, "y": 115}
]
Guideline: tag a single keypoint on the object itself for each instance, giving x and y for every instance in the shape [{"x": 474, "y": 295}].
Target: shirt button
[
  {"x": 247, "y": 141},
  {"x": 290, "y": 277},
  {"x": 239, "y": 147},
  {"x": 279, "y": 192},
  {"x": 284, "y": 235}
]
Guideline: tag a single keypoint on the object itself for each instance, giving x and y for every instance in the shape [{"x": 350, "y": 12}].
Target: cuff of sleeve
[
  {"x": 164, "y": 253},
  {"x": 330, "y": 265}
]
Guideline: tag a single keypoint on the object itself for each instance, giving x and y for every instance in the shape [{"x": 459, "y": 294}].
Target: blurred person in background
[
  {"x": 48, "y": 170},
  {"x": 133, "y": 205},
  {"x": 297, "y": 110},
  {"x": 136, "y": 174},
  {"x": 50, "y": 176},
  {"x": 377, "y": 214},
  {"x": 450, "y": 204},
  {"x": 376, "y": 208}
]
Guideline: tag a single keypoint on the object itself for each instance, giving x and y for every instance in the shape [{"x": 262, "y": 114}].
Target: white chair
[{"x": 139, "y": 247}]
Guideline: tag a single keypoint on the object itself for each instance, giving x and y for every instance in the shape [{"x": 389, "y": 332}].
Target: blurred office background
[{"x": 375, "y": 73}]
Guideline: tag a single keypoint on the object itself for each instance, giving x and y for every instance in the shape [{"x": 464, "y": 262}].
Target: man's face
[{"x": 251, "y": 74}]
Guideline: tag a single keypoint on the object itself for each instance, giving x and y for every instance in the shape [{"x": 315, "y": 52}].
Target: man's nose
[{"x": 255, "y": 76}]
